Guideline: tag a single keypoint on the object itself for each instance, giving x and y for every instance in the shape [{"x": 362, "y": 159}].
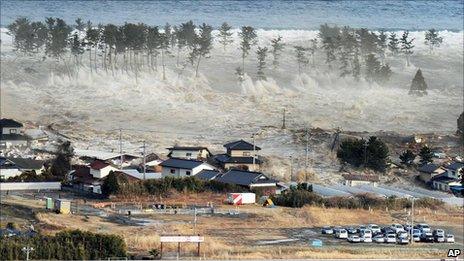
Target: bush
[
  {"x": 297, "y": 198},
  {"x": 374, "y": 153}
]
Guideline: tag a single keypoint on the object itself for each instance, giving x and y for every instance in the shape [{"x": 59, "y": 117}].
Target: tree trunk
[
  {"x": 164, "y": 66},
  {"x": 198, "y": 65}
]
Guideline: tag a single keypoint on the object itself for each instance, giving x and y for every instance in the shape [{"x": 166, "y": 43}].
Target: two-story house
[
  {"x": 179, "y": 168},
  {"x": 454, "y": 170},
  {"x": 100, "y": 169},
  {"x": 239, "y": 154},
  {"x": 185, "y": 152},
  {"x": 11, "y": 134}
]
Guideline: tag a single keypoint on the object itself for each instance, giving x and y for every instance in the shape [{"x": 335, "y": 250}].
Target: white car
[
  {"x": 403, "y": 238},
  {"x": 366, "y": 232},
  {"x": 354, "y": 239},
  {"x": 449, "y": 238},
  {"x": 374, "y": 228},
  {"x": 341, "y": 233},
  {"x": 390, "y": 238},
  {"x": 424, "y": 227},
  {"x": 327, "y": 230},
  {"x": 439, "y": 232},
  {"x": 440, "y": 239},
  {"x": 416, "y": 234},
  {"x": 379, "y": 239},
  {"x": 366, "y": 239},
  {"x": 397, "y": 228}
]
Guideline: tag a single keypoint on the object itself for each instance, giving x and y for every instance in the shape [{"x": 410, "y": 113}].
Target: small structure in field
[
  {"x": 63, "y": 206},
  {"x": 241, "y": 198},
  {"x": 360, "y": 179}
]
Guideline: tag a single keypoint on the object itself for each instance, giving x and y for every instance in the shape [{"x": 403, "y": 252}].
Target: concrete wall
[{"x": 4, "y": 186}]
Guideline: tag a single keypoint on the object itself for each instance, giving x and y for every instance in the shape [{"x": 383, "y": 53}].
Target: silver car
[{"x": 449, "y": 238}]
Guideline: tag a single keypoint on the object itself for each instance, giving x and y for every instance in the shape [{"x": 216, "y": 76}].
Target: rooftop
[
  {"x": 245, "y": 178},
  {"x": 207, "y": 174},
  {"x": 23, "y": 163},
  {"x": 224, "y": 158},
  {"x": 455, "y": 165},
  {"x": 10, "y": 123},
  {"x": 429, "y": 168},
  {"x": 181, "y": 163},
  {"x": 193, "y": 148},
  {"x": 97, "y": 164},
  {"x": 240, "y": 145}
]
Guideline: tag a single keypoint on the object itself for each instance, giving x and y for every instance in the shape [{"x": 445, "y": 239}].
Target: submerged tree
[
  {"x": 432, "y": 39},
  {"x": 225, "y": 35},
  {"x": 203, "y": 44},
  {"x": 393, "y": 43},
  {"x": 248, "y": 39},
  {"x": 407, "y": 157},
  {"x": 372, "y": 67},
  {"x": 356, "y": 72},
  {"x": 426, "y": 155},
  {"x": 277, "y": 47},
  {"x": 418, "y": 84},
  {"x": 407, "y": 46},
  {"x": 301, "y": 57},
  {"x": 261, "y": 54}
]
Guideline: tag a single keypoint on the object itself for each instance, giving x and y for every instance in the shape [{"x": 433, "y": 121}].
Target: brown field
[{"x": 240, "y": 237}]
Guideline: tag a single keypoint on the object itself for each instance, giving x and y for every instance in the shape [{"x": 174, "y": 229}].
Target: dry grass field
[{"x": 255, "y": 233}]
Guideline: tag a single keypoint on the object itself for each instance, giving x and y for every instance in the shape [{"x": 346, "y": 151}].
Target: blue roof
[
  {"x": 456, "y": 165},
  {"x": 207, "y": 174},
  {"x": 181, "y": 163},
  {"x": 244, "y": 178}
]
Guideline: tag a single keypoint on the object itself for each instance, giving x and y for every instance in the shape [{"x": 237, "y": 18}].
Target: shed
[{"x": 63, "y": 206}]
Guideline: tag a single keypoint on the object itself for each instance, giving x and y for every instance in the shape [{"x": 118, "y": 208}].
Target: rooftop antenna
[
  {"x": 283, "y": 120},
  {"x": 120, "y": 148}
]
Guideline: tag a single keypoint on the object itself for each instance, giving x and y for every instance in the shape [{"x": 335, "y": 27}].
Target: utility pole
[
  {"x": 144, "y": 161},
  {"x": 254, "y": 151},
  {"x": 120, "y": 148},
  {"x": 291, "y": 168},
  {"x": 307, "y": 150},
  {"x": 194, "y": 220},
  {"x": 412, "y": 220},
  {"x": 27, "y": 250},
  {"x": 283, "y": 120}
]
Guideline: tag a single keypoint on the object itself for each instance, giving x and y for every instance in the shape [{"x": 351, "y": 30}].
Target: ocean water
[{"x": 272, "y": 14}]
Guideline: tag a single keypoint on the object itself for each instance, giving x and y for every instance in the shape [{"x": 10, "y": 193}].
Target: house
[
  {"x": 249, "y": 179},
  {"x": 11, "y": 134},
  {"x": 135, "y": 174},
  {"x": 115, "y": 158},
  {"x": 430, "y": 170},
  {"x": 239, "y": 154},
  {"x": 207, "y": 174},
  {"x": 184, "y": 152},
  {"x": 81, "y": 179},
  {"x": 11, "y": 167},
  {"x": 359, "y": 179},
  {"x": 100, "y": 169},
  {"x": 444, "y": 183},
  {"x": 454, "y": 170},
  {"x": 178, "y": 168}
]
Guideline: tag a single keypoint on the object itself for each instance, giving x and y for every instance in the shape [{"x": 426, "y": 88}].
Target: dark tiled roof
[
  {"x": 244, "y": 178},
  {"x": 10, "y": 123},
  {"x": 240, "y": 145},
  {"x": 187, "y": 148},
  {"x": 455, "y": 165},
  {"x": 181, "y": 163},
  {"x": 428, "y": 168},
  {"x": 97, "y": 164},
  {"x": 207, "y": 174},
  {"x": 23, "y": 163},
  {"x": 13, "y": 136},
  {"x": 443, "y": 179},
  {"x": 224, "y": 158}
]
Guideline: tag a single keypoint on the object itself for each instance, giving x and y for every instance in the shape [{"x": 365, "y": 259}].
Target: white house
[
  {"x": 100, "y": 169},
  {"x": 139, "y": 175},
  {"x": 184, "y": 152},
  {"x": 183, "y": 167},
  {"x": 443, "y": 182},
  {"x": 454, "y": 170},
  {"x": 11, "y": 134},
  {"x": 11, "y": 167}
]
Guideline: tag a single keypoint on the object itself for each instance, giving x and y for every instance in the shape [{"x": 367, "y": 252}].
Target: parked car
[
  {"x": 390, "y": 238},
  {"x": 449, "y": 238},
  {"x": 416, "y": 234},
  {"x": 366, "y": 239},
  {"x": 366, "y": 232},
  {"x": 352, "y": 230},
  {"x": 354, "y": 239},
  {"x": 440, "y": 239},
  {"x": 327, "y": 230},
  {"x": 397, "y": 228},
  {"x": 438, "y": 232},
  {"x": 423, "y": 227},
  {"x": 402, "y": 238},
  {"x": 374, "y": 228},
  {"x": 341, "y": 233},
  {"x": 427, "y": 237},
  {"x": 407, "y": 227},
  {"x": 361, "y": 228},
  {"x": 387, "y": 230},
  {"x": 379, "y": 239}
]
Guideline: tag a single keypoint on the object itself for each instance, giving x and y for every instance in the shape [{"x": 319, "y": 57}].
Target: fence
[{"x": 11, "y": 186}]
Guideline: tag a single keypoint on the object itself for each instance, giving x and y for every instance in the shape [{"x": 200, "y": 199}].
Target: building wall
[
  {"x": 183, "y": 154},
  {"x": 98, "y": 174},
  {"x": 238, "y": 165},
  {"x": 180, "y": 173},
  {"x": 10, "y": 130},
  {"x": 8, "y": 173},
  {"x": 241, "y": 153},
  {"x": 454, "y": 173},
  {"x": 4, "y": 186}
]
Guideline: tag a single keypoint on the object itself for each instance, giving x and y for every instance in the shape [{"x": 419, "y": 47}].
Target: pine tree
[
  {"x": 393, "y": 43},
  {"x": 407, "y": 157},
  {"x": 356, "y": 72},
  {"x": 432, "y": 39},
  {"x": 382, "y": 44},
  {"x": 277, "y": 47},
  {"x": 261, "y": 54},
  {"x": 384, "y": 73},
  {"x": 203, "y": 44},
  {"x": 312, "y": 51},
  {"x": 372, "y": 68},
  {"x": 329, "y": 47},
  {"x": 225, "y": 35},
  {"x": 301, "y": 57},
  {"x": 248, "y": 39},
  {"x": 407, "y": 46},
  {"x": 418, "y": 84},
  {"x": 426, "y": 155}
]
